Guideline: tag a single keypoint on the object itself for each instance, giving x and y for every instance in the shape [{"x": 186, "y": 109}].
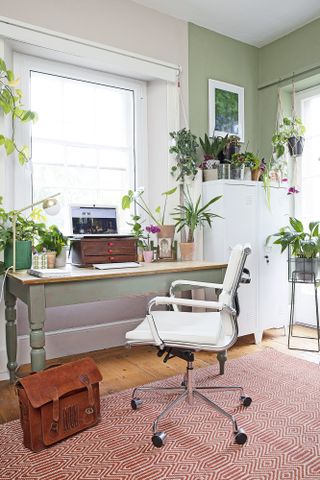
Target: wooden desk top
[{"x": 76, "y": 274}]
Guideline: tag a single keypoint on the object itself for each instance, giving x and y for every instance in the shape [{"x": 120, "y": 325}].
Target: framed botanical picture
[{"x": 226, "y": 109}]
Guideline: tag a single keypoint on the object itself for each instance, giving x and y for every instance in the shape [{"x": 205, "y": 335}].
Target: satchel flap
[{"x": 42, "y": 387}]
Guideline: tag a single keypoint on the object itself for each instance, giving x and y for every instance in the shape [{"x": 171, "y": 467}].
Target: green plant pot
[{"x": 23, "y": 255}]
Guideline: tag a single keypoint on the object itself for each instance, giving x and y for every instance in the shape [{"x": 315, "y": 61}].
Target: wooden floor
[{"x": 124, "y": 368}]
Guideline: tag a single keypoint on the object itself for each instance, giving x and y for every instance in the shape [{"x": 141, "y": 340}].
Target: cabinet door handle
[{"x": 110, "y": 251}]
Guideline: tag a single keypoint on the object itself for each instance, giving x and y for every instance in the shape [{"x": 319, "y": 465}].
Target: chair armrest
[
  {"x": 187, "y": 303},
  {"x": 193, "y": 283}
]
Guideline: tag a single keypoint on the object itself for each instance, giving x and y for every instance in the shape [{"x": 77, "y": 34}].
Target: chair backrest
[{"x": 234, "y": 273}]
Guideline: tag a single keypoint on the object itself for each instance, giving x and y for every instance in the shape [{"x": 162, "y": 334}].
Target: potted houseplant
[
  {"x": 52, "y": 241},
  {"x": 148, "y": 251},
  {"x": 26, "y": 231},
  {"x": 233, "y": 146},
  {"x": 158, "y": 216},
  {"x": 191, "y": 215},
  {"x": 212, "y": 147},
  {"x": 290, "y": 133},
  {"x": 303, "y": 247},
  {"x": 185, "y": 149},
  {"x": 11, "y": 105}
]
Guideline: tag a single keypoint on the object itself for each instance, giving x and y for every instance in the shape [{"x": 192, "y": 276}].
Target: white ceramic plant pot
[
  {"x": 210, "y": 174},
  {"x": 61, "y": 259},
  {"x": 247, "y": 173}
]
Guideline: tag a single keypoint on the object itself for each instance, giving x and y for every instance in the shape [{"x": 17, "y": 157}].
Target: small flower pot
[
  {"x": 187, "y": 251},
  {"x": 237, "y": 173},
  {"x": 148, "y": 256},
  {"x": 230, "y": 150},
  {"x": 23, "y": 255},
  {"x": 51, "y": 259},
  {"x": 166, "y": 231},
  {"x": 61, "y": 259},
  {"x": 295, "y": 146},
  {"x": 223, "y": 171},
  {"x": 210, "y": 174},
  {"x": 247, "y": 173},
  {"x": 255, "y": 175}
]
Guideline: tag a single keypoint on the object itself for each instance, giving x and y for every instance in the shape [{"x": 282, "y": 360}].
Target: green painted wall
[
  {"x": 215, "y": 56},
  {"x": 295, "y": 53}
]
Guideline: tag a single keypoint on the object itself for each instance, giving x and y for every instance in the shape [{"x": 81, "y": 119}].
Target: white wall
[{"x": 122, "y": 24}]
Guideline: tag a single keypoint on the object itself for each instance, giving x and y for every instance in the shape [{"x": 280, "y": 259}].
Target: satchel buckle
[
  {"x": 54, "y": 426},
  {"x": 89, "y": 410}
]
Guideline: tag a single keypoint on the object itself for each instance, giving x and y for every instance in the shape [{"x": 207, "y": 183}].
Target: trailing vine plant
[{"x": 11, "y": 104}]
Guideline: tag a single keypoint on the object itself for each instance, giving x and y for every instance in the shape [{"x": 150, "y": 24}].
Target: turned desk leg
[
  {"x": 222, "y": 358},
  {"x": 11, "y": 334},
  {"x": 36, "y": 312}
]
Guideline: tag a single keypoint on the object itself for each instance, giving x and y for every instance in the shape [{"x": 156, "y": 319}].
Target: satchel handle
[{"x": 85, "y": 380}]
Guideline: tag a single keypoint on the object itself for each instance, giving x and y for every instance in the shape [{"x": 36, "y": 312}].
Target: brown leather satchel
[{"x": 58, "y": 402}]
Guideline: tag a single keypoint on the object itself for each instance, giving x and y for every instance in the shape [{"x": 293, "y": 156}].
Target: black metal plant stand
[{"x": 303, "y": 277}]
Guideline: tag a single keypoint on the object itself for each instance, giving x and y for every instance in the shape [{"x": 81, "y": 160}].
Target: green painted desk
[{"x": 84, "y": 285}]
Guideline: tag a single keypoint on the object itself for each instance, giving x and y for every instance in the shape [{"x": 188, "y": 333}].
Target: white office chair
[{"x": 180, "y": 334}]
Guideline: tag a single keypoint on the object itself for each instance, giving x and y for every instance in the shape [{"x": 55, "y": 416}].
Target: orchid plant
[{"x": 150, "y": 229}]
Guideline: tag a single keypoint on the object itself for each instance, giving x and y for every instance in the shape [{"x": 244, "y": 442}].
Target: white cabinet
[{"x": 247, "y": 219}]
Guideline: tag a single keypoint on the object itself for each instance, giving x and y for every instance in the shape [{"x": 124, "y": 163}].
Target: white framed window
[
  {"x": 89, "y": 141},
  {"x": 307, "y": 202}
]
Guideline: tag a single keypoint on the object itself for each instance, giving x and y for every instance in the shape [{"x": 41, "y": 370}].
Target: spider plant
[{"x": 191, "y": 215}]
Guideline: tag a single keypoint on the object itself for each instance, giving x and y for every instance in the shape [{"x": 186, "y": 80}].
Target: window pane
[
  {"x": 310, "y": 162},
  {"x": 83, "y": 144}
]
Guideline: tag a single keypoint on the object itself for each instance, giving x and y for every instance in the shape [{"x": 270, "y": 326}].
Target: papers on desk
[
  {"x": 48, "y": 272},
  {"x": 111, "y": 266}
]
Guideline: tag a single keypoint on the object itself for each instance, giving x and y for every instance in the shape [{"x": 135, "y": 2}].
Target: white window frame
[
  {"x": 303, "y": 95},
  {"x": 23, "y": 64}
]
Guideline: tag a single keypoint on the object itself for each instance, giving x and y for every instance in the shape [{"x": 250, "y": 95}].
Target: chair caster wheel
[
  {"x": 159, "y": 439},
  {"x": 136, "y": 403},
  {"x": 246, "y": 401},
  {"x": 240, "y": 437}
]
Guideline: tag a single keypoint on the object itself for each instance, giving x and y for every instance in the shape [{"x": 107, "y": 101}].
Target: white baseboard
[{"x": 75, "y": 340}]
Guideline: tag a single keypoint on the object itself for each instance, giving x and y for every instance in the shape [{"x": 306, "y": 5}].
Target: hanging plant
[
  {"x": 11, "y": 105},
  {"x": 290, "y": 133},
  {"x": 185, "y": 149}
]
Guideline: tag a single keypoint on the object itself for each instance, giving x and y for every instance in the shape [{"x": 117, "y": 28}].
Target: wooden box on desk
[{"x": 87, "y": 251}]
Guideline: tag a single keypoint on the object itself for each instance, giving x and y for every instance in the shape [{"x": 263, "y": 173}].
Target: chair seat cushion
[{"x": 180, "y": 327}]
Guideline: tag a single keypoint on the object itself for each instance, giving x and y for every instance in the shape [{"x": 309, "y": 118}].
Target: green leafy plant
[
  {"x": 191, "y": 215},
  {"x": 248, "y": 159},
  {"x": 137, "y": 230},
  {"x": 11, "y": 105},
  {"x": 185, "y": 149},
  {"x": 136, "y": 197},
  {"x": 303, "y": 244},
  {"x": 51, "y": 240},
  {"x": 26, "y": 228},
  {"x": 288, "y": 128},
  {"x": 213, "y": 146}
]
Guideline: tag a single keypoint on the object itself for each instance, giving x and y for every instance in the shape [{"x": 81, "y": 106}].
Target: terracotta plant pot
[
  {"x": 187, "y": 251},
  {"x": 255, "y": 175},
  {"x": 166, "y": 231},
  {"x": 51, "y": 259},
  {"x": 148, "y": 256}
]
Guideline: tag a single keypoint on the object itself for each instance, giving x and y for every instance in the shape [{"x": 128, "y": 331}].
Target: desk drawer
[
  {"x": 90, "y": 259},
  {"x": 102, "y": 250}
]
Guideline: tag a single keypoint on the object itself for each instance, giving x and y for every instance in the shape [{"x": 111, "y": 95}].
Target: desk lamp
[{"x": 50, "y": 205}]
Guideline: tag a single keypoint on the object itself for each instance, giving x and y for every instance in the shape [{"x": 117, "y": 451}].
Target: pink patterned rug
[{"x": 282, "y": 424}]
